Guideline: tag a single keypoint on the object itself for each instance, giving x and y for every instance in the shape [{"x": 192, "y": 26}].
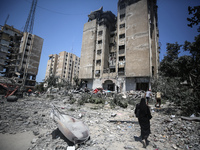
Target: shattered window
[
  {"x": 98, "y": 62},
  {"x": 121, "y": 70},
  {"x": 100, "y": 32},
  {"x": 121, "y": 49},
  {"x": 122, "y": 6},
  {"x": 112, "y": 70},
  {"x": 99, "y": 52},
  {"x": 122, "y": 36},
  {"x": 122, "y": 58},
  {"x": 122, "y": 25},
  {"x": 100, "y": 42},
  {"x": 97, "y": 72},
  {"x": 122, "y": 16}
]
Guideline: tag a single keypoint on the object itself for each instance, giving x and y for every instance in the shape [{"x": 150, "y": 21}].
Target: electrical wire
[{"x": 52, "y": 11}]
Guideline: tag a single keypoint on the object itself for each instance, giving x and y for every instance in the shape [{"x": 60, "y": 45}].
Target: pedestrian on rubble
[
  {"x": 29, "y": 92},
  {"x": 148, "y": 95},
  {"x": 144, "y": 117},
  {"x": 158, "y": 99}
]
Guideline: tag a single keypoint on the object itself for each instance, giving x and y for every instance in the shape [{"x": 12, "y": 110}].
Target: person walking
[
  {"x": 148, "y": 94},
  {"x": 158, "y": 99},
  {"x": 143, "y": 113}
]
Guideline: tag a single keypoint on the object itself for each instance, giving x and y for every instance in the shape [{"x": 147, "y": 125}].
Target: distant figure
[
  {"x": 29, "y": 92},
  {"x": 158, "y": 99},
  {"x": 144, "y": 115},
  {"x": 148, "y": 94}
]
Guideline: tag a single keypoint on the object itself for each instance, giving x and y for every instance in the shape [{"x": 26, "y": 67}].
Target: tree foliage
[
  {"x": 179, "y": 79},
  {"x": 169, "y": 65},
  {"x": 40, "y": 87},
  {"x": 180, "y": 76},
  {"x": 76, "y": 80},
  {"x": 194, "y": 74},
  {"x": 195, "y": 19},
  {"x": 51, "y": 81}
]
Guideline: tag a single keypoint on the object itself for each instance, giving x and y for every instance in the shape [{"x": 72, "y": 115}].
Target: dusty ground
[{"x": 26, "y": 124}]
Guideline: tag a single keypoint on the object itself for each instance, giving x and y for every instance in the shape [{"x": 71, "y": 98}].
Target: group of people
[
  {"x": 148, "y": 95},
  {"x": 142, "y": 112}
]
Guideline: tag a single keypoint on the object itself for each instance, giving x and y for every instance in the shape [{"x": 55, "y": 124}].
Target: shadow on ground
[{"x": 57, "y": 133}]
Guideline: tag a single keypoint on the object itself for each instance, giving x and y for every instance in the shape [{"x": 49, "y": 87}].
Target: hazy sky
[{"x": 60, "y": 23}]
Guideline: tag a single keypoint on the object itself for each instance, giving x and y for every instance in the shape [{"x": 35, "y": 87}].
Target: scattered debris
[
  {"x": 109, "y": 127},
  {"x": 191, "y": 118}
]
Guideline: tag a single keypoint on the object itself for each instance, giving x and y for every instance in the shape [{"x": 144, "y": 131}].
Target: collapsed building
[
  {"x": 19, "y": 56},
  {"x": 64, "y": 66},
  {"x": 121, "y": 53}
]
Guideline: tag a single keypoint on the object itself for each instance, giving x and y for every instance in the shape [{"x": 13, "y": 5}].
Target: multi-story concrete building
[
  {"x": 65, "y": 66},
  {"x": 51, "y": 65},
  {"x": 121, "y": 53},
  {"x": 20, "y": 55}
]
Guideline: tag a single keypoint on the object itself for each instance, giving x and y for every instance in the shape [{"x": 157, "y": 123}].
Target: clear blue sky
[{"x": 60, "y": 23}]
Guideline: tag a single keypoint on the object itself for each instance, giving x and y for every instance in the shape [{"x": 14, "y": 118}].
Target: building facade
[
  {"x": 120, "y": 53},
  {"x": 20, "y": 55},
  {"x": 65, "y": 66}
]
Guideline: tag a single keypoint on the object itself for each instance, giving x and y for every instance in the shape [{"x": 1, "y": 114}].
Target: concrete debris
[
  {"x": 12, "y": 98},
  {"x": 32, "y": 114}
]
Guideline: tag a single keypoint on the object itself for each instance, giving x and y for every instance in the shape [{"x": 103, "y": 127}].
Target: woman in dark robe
[{"x": 144, "y": 117}]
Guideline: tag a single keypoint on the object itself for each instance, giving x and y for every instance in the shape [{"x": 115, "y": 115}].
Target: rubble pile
[
  {"x": 23, "y": 115},
  {"x": 175, "y": 133},
  {"x": 115, "y": 128},
  {"x": 5, "y": 80}
]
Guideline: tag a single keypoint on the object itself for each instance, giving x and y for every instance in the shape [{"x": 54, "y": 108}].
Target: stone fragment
[{"x": 34, "y": 141}]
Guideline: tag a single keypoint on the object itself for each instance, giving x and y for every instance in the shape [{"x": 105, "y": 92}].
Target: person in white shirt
[{"x": 148, "y": 94}]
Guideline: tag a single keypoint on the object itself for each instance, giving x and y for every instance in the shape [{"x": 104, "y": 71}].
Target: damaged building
[
  {"x": 20, "y": 56},
  {"x": 121, "y": 53},
  {"x": 65, "y": 66}
]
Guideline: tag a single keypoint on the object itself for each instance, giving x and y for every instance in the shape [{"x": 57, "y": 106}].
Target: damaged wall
[
  {"x": 137, "y": 44},
  {"x": 22, "y": 53},
  {"x": 126, "y": 48},
  {"x": 88, "y": 50}
]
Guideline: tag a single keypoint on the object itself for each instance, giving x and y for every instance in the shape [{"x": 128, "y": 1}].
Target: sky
[{"x": 60, "y": 23}]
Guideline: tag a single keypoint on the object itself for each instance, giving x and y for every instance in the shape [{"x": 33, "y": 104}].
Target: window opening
[
  {"x": 100, "y": 32},
  {"x": 122, "y": 16},
  {"x": 98, "y": 62},
  {"x": 99, "y": 52},
  {"x": 100, "y": 42},
  {"x": 122, "y": 25},
  {"x": 122, "y": 36}
]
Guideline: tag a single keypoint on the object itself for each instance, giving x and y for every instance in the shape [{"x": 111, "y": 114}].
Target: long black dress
[{"x": 144, "y": 118}]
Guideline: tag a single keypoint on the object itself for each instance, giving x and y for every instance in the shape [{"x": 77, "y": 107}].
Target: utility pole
[
  {"x": 30, "y": 20},
  {"x": 6, "y": 19},
  {"x": 28, "y": 29}
]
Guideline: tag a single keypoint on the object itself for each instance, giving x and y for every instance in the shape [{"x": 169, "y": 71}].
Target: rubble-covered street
[{"x": 110, "y": 128}]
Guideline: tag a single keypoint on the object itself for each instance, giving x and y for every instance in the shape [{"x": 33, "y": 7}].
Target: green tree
[
  {"x": 40, "y": 87},
  {"x": 195, "y": 19},
  {"x": 184, "y": 67},
  {"x": 194, "y": 50},
  {"x": 168, "y": 65},
  {"x": 51, "y": 81},
  {"x": 76, "y": 80}
]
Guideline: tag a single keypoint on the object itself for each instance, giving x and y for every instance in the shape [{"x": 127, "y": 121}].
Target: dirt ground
[
  {"x": 18, "y": 141},
  {"x": 26, "y": 125}
]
